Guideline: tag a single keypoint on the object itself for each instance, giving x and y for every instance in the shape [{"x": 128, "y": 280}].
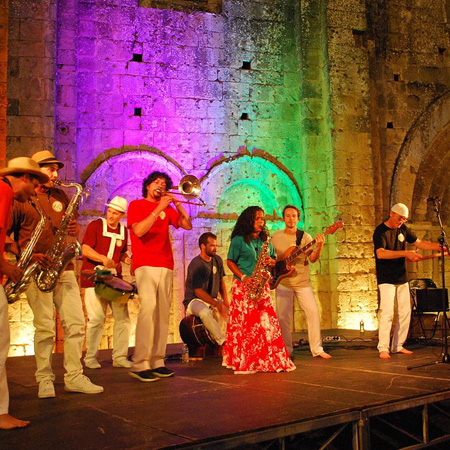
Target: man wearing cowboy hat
[
  {"x": 389, "y": 240},
  {"x": 17, "y": 181},
  {"x": 105, "y": 244},
  {"x": 65, "y": 297}
]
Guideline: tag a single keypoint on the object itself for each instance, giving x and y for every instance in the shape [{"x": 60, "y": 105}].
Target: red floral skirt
[{"x": 254, "y": 342}]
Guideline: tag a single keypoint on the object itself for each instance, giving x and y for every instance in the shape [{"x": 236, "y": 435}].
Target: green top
[{"x": 245, "y": 255}]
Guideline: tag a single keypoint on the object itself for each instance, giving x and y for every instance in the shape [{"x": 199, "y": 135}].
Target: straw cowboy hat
[
  {"x": 22, "y": 164},
  {"x": 46, "y": 157}
]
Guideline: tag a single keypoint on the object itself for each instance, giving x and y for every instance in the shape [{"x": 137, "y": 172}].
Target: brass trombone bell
[{"x": 189, "y": 186}]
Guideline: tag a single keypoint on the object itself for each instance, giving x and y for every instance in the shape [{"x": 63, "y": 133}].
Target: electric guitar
[{"x": 282, "y": 268}]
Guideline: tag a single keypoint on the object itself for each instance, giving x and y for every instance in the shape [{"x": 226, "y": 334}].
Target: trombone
[{"x": 189, "y": 186}]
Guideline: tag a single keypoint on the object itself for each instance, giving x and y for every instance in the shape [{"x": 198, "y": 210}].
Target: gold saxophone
[
  {"x": 261, "y": 273},
  {"x": 60, "y": 254},
  {"x": 13, "y": 290}
]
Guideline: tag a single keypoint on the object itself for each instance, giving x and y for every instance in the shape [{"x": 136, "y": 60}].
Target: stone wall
[{"x": 340, "y": 106}]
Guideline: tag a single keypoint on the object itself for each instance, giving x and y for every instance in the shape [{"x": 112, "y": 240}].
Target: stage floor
[{"x": 205, "y": 402}]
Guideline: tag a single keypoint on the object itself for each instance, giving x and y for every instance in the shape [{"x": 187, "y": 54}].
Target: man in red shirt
[
  {"x": 17, "y": 181},
  {"x": 148, "y": 221},
  {"x": 105, "y": 244}
]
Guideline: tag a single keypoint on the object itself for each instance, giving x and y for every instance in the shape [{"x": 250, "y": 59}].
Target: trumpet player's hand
[
  {"x": 11, "y": 271},
  {"x": 43, "y": 260},
  {"x": 165, "y": 201},
  {"x": 73, "y": 228}
]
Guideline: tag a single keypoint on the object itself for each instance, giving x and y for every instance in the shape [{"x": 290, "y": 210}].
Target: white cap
[
  {"x": 401, "y": 209},
  {"x": 118, "y": 203}
]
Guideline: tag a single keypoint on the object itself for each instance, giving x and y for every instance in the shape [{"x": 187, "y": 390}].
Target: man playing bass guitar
[{"x": 298, "y": 283}]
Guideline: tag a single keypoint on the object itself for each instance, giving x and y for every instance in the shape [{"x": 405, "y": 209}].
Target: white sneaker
[
  {"x": 46, "y": 389},
  {"x": 92, "y": 363},
  {"x": 122, "y": 362},
  {"x": 82, "y": 384}
]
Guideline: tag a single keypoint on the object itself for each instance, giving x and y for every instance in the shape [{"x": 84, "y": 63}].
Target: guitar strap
[{"x": 299, "y": 234}]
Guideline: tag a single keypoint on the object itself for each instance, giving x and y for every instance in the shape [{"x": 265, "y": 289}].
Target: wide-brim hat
[
  {"x": 23, "y": 164},
  {"x": 46, "y": 157},
  {"x": 118, "y": 203},
  {"x": 401, "y": 209}
]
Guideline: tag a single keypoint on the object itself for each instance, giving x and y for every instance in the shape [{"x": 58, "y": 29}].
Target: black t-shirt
[
  {"x": 392, "y": 271},
  {"x": 203, "y": 275}
]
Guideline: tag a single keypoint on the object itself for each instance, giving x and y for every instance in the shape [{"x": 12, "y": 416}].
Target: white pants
[
  {"x": 96, "y": 309},
  {"x": 154, "y": 286},
  {"x": 307, "y": 301},
  {"x": 388, "y": 293},
  {"x": 4, "y": 348},
  {"x": 204, "y": 311},
  {"x": 67, "y": 300}
]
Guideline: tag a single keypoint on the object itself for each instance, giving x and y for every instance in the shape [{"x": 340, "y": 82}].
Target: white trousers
[
  {"x": 204, "y": 311},
  {"x": 67, "y": 300},
  {"x": 400, "y": 329},
  {"x": 154, "y": 286},
  {"x": 96, "y": 309},
  {"x": 4, "y": 348},
  {"x": 285, "y": 309}
]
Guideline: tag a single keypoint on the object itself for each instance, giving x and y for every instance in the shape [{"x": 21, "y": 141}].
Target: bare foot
[
  {"x": 8, "y": 422},
  {"x": 405, "y": 351},
  {"x": 324, "y": 355},
  {"x": 385, "y": 355}
]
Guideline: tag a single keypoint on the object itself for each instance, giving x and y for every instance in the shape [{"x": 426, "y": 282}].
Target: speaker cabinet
[{"x": 430, "y": 300}]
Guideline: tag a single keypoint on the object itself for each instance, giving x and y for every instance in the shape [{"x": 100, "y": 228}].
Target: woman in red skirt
[{"x": 254, "y": 342}]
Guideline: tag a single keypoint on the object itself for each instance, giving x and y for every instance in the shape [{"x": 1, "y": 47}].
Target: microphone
[{"x": 432, "y": 199}]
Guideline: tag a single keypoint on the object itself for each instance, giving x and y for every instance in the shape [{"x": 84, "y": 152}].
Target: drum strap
[{"x": 114, "y": 237}]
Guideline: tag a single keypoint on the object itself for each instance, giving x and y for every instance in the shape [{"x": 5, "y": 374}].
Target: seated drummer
[
  {"x": 204, "y": 281},
  {"x": 104, "y": 246}
]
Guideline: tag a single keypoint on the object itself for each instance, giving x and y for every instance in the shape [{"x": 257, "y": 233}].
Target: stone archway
[
  {"x": 421, "y": 172},
  {"x": 249, "y": 179},
  {"x": 122, "y": 175},
  {"x": 421, "y": 167}
]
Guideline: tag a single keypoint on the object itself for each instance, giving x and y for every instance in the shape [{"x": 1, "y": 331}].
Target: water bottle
[
  {"x": 184, "y": 353},
  {"x": 361, "y": 327}
]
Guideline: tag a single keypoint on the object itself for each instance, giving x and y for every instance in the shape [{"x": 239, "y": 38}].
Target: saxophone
[
  {"x": 13, "y": 290},
  {"x": 61, "y": 254},
  {"x": 261, "y": 273}
]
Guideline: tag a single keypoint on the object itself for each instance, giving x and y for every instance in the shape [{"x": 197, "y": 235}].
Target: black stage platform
[{"x": 324, "y": 402}]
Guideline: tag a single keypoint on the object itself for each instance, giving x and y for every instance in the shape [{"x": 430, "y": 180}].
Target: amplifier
[{"x": 430, "y": 300}]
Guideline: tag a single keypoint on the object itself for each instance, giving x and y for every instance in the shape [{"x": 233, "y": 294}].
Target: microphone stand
[{"x": 445, "y": 357}]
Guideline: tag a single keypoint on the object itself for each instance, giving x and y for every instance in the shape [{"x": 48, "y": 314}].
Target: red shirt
[
  {"x": 95, "y": 239},
  {"x": 153, "y": 248},
  {"x": 6, "y": 201}
]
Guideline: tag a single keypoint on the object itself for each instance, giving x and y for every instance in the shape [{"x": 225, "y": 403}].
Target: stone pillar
[
  {"x": 31, "y": 86},
  {"x": 352, "y": 271},
  {"x": 4, "y": 13}
]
